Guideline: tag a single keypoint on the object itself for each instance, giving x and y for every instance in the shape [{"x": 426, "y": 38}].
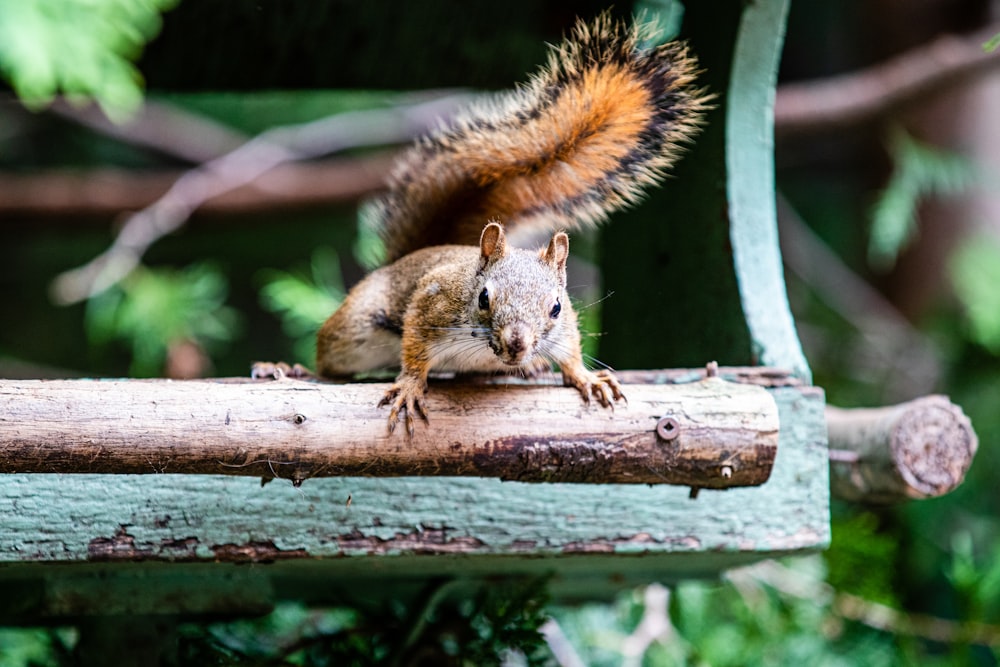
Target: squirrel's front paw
[
  {"x": 405, "y": 395},
  {"x": 602, "y": 385}
]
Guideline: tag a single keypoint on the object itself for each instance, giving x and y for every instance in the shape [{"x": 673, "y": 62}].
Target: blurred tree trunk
[{"x": 961, "y": 119}]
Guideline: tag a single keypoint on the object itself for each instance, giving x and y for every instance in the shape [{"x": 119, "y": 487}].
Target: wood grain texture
[
  {"x": 725, "y": 434},
  {"x": 182, "y": 517},
  {"x": 918, "y": 449},
  {"x": 88, "y": 543}
]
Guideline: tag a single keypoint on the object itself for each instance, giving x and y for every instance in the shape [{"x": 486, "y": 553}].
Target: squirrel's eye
[
  {"x": 556, "y": 309},
  {"x": 484, "y": 299}
]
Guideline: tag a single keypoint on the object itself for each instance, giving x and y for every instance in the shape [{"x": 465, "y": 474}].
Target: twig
[
  {"x": 654, "y": 626},
  {"x": 561, "y": 647},
  {"x": 239, "y": 167},
  {"x": 834, "y": 102},
  {"x": 162, "y": 127},
  {"x": 793, "y": 584}
]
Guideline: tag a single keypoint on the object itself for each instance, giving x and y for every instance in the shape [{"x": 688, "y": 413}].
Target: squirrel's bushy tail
[{"x": 588, "y": 133}]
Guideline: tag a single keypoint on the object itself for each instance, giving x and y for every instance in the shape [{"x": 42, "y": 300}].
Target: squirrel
[{"x": 605, "y": 118}]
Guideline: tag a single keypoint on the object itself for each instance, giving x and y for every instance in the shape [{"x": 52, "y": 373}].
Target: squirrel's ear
[
  {"x": 492, "y": 243},
  {"x": 557, "y": 252}
]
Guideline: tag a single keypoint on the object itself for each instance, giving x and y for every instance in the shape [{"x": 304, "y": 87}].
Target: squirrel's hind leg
[{"x": 362, "y": 335}]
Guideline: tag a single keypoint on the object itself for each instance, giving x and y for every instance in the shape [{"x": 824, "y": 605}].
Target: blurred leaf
[
  {"x": 304, "y": 301},
  {"x": 861, "y": 559},
  {"x": 368, "y": 248},
  {"x": 35, "y": 647},
  {"x": 992, "y": 44},
  {"x": 975, "y": 276},
  {"x": 919, "y": 170},
  {"x": 80, "y": 48},
  {"x": 976, "y": 580},
  {"x": 152, "y": 309}
]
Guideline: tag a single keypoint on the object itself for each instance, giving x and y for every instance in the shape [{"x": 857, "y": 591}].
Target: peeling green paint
[{"x": 409, "y": 528}]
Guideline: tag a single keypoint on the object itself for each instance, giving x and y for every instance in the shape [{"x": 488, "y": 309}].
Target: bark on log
[
  {"x": 717, "y": 434},
  {"x": 918, "y": 449}
]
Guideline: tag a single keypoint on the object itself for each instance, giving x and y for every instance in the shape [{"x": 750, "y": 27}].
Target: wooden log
[
  {"x": 918, "y": 449},
  {"x": 706, "y": 434}
]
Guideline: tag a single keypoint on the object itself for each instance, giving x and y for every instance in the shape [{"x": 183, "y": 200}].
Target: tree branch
[
  {"x": 110, "y": 191},
  {"x": 836, "y": 102},
  {"x": 798, "y": 585},
  {"x": 161, "y": 127},
  {"x": 918, "y": 449},
  {"x": 240, "y": 167},
  {"x": 724, "y": 435}
]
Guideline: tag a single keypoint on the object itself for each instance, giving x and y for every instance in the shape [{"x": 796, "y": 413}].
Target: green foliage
[
  {"x": 80, "y": 48},
  {"x": 975, "y": 275},
  {"x": 975, "y": 577},
  {"x": 919, "y": 170},
  {"x": 303, "y": 301},
  {"x": 368, "y": 247},
  {"x": 862, "y": 559},
  {"x": 992, "y": 44},
  {"x": 480, "y": 629},
  {"x": 35, "y": 647},
  {"x": 154, "y": 308},
  {"x": 745, "y": 620}
]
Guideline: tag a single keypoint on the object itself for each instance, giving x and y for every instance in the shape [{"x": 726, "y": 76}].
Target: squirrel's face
[
  {"x": 519, "y": 302},
  {"x": 520, "y": 305}
]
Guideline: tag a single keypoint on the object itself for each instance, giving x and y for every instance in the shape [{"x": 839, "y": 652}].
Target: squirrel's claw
[
  {"x": 405, "y": 396},
  {"x": 607, "y": 389},
  {"x": 602, "y": 385}
]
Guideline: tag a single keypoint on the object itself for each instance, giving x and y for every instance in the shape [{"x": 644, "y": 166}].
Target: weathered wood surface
[
  {"x": 720, "y": 435},
  {"x": 918, "y": 449},
  {"x": 183, "y": 543}
]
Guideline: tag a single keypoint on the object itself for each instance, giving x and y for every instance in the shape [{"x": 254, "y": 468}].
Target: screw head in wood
[{"x": 668, "y": 429}]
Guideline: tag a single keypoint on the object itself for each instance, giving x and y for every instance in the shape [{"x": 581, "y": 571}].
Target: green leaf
[
  {"x": 975, "y": 276},
  {"x": 153, "y": 309},
  {"x": 304, "y": 301},
  {"x": 80, "y": 48},
  {"x": 919, "y": 170},
  {"x": 992, "y": 44}
]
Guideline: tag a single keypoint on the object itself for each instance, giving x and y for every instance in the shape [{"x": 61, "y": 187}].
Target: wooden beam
[
  {"x": 706, "y": 434},
  {"x": 918, "y": 449}
]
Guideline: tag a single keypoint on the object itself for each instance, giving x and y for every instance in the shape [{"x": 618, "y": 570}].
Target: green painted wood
[
  {"x": 70, "y": 542},
  {"x": 699, "y": 264},
  {"x": 750, "y": 177}
]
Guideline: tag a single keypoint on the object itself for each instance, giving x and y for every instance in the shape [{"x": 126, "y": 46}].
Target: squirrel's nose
[{"x": 516, "y": 343}]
